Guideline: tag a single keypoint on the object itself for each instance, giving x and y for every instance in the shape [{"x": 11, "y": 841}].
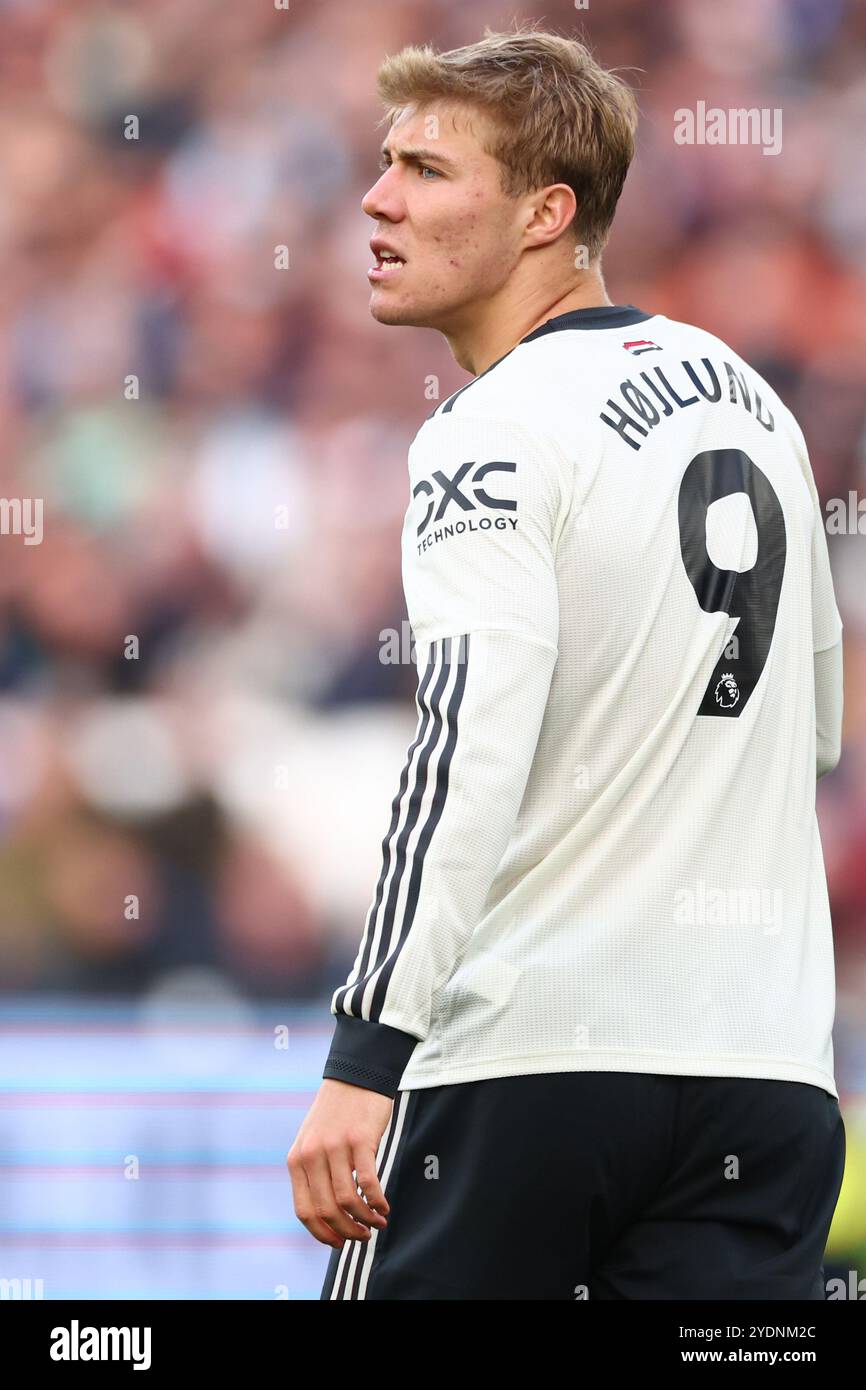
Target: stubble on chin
[
  {"x": 387, "y": 314},
  {"x": 400, "y": 315}
]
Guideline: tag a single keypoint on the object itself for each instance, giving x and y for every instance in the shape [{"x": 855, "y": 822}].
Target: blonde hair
[{"x": 557, "y": 116}]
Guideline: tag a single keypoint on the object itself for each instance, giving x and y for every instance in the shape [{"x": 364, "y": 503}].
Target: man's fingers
[
  {"x": 364, "y": 1160},
  {"x": 325, "y": 1204},
  {"x": 304, "y": 1209},
  {"x": 346, "y": 1188}
]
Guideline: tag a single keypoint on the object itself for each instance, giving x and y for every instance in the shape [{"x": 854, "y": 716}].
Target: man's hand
[{"x": 341, "y": 1132}]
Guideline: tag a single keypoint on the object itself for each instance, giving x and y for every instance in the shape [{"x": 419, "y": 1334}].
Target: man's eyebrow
[{"x": 418, "y": 156}]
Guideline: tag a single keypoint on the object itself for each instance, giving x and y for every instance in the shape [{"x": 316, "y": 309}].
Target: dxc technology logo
[{"x": 449, "y": 490}]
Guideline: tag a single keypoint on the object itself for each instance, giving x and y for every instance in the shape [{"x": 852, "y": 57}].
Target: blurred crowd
[{"x": 199, "y": 739}]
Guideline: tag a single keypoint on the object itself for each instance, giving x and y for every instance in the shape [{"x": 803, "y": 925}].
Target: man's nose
[{"x": 383, "y": 199}]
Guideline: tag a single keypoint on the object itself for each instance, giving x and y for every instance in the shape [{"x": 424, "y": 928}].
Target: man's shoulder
[
  {"x": 503, "y": 428},
  {"x": 535, "y": 390},
  {"x": 555, "y": 385},
  {"x": 508, "y": 390},
  {"x": 556, "y": 380},
  {"x": 690, "y": 339},
  {"x": 496, "y": 432}
]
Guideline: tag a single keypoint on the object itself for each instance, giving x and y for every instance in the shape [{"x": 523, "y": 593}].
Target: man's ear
[{"x": 553, "y": 210}]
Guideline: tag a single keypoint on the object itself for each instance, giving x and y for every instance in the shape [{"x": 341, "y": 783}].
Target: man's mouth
[{"x": 388, "y": 264}]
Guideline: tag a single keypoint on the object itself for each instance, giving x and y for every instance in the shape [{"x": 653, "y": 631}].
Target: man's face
[{"x": 439, "y": 206}]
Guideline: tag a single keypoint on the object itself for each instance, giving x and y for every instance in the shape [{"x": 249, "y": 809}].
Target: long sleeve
[
  {"x": 828, "y": 708},
  {"x": 826, "y": 643},
  {"x": 479, "y": 569}
]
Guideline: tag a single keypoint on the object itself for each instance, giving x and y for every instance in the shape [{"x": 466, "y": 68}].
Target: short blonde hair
[{"x": 557, "y": 115}]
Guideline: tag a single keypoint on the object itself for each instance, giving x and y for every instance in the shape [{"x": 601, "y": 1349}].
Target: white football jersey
[{"x": 604, "y": 852}]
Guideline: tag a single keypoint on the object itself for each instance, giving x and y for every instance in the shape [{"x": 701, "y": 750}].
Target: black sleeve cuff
[{"x": 368, "y": 1054}]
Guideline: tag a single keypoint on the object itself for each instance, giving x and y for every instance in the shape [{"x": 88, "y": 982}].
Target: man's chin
[{"x": 385, "y": 310}]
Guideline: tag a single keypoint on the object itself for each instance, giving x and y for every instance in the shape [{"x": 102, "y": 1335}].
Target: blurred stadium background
[{"x": 193, "y": 705}]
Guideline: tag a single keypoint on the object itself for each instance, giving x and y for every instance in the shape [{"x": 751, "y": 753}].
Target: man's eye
[{"x": 425, "y": 169}]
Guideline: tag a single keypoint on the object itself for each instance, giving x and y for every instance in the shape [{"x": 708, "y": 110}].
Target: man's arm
[
  {"x": 479, "y": 571},
  {"x": 828, "y": 708},
  {"x": 826, "y": 642}
]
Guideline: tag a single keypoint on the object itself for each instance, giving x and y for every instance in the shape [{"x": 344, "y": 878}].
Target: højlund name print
[{"x": 655, "y": 401}]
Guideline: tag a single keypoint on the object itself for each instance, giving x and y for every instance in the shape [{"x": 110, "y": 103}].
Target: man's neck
[{"x": 489, "y": 339}]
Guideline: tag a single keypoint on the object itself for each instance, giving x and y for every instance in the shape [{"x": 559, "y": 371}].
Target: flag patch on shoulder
[{"x": 640, "y": 345}]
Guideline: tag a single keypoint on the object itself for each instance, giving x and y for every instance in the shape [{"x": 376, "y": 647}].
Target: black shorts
[{"x": 602, "y": 1185}]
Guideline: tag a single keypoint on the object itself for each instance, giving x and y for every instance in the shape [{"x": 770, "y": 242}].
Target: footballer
[{"x": 585, "y": 1048}]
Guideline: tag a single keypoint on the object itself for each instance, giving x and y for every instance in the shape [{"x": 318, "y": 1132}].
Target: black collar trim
[{"x": 600, "y": 316}]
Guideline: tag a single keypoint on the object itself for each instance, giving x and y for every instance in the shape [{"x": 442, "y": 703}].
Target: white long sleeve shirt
[{"x": 603, "y": 853}]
